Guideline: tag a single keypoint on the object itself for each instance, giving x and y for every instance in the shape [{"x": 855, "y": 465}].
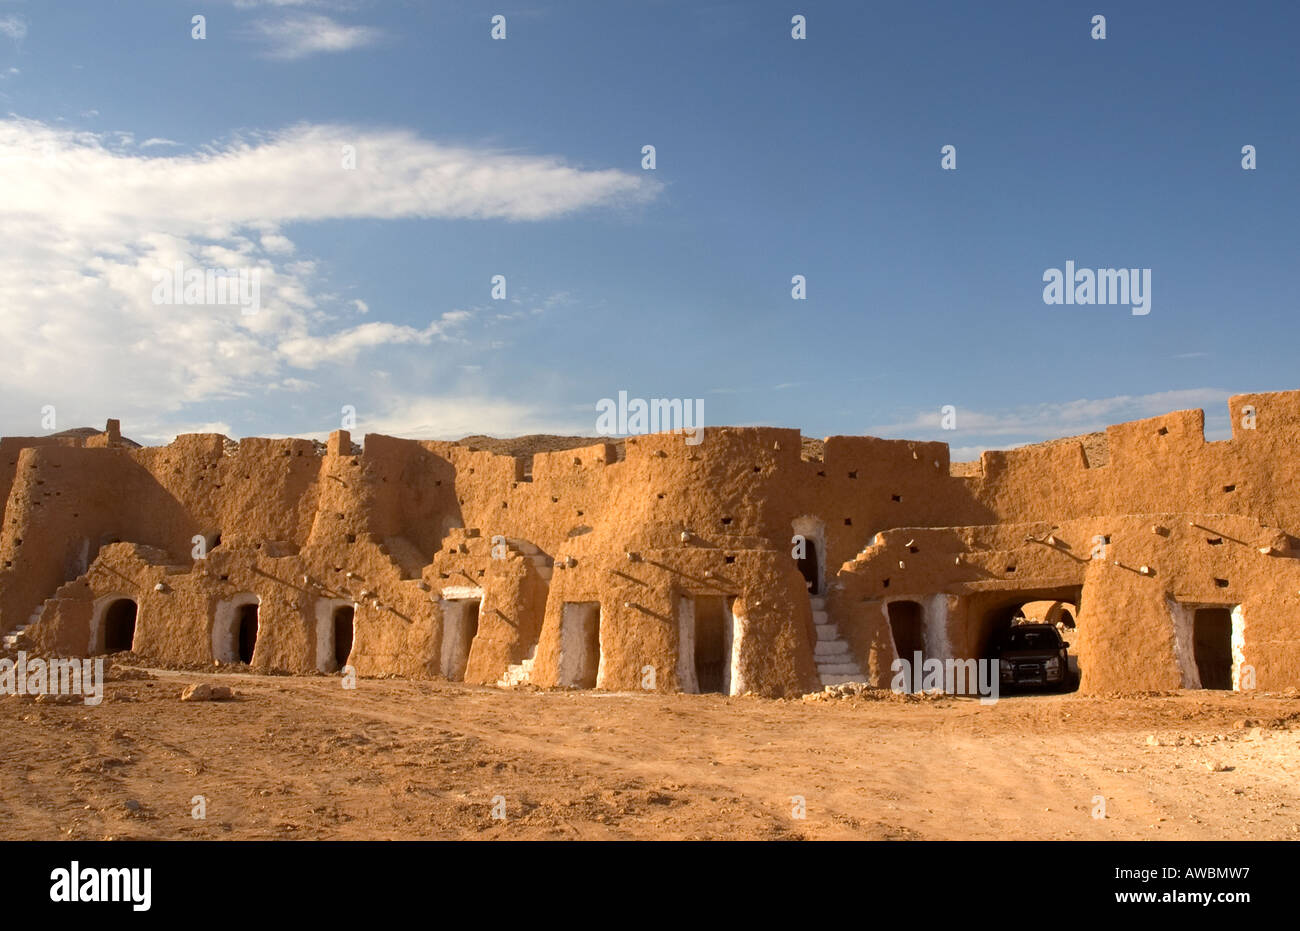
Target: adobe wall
[{"x": 405, "y": 528}]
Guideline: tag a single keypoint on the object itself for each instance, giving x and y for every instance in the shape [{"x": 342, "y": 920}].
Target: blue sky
[{"x": 126, "y": 144}]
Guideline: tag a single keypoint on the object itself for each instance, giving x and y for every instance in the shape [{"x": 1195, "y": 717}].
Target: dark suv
[{"x": 1033, "y": 655}]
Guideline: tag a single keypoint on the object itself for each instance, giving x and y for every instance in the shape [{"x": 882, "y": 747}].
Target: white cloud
[
  {"x": 157, "y": 141},
  {"x": 308, "y": 352},
  {"x": 13, "y": 26},
  {"x": 297, "y": 175},
  {"x": 87, "y": 221},
  {"x": 277, "y": 244},
  {"x": 308, "y": 34}
]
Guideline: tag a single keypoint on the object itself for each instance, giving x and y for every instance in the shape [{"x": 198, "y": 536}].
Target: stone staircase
[
  {"x": 835, "y": 664},
  {"x": 519, "y": 673},
  {"x": 544, "y": 564},
  {"x": 11, "y": 639}
]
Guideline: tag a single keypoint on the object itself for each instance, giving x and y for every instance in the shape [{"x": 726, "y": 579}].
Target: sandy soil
[{"x": 304, "y": 758}]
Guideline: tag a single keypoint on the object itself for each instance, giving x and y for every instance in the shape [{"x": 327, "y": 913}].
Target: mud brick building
[{"x": 1172, "y": 561}]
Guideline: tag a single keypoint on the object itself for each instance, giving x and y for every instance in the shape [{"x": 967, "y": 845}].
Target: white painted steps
[
  {"x": 835, "y": 663},
  {"x": 519, "y": 673},
  {"x": 529, "y": 551},
  {"x": 11, "y": 638}
]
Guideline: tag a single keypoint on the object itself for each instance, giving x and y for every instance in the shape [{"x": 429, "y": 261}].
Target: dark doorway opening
[
  {"x": 808, "y": 566},
  {"x": 343, "y": 616},
  {"x": 710, "y": 644},
  {"x": 460, "y": 627},
  {"x": 119, "y": 626},
  {"x": 580, "y": 644},
  {"x": 247, "y": 620},
  {"x": 907, "y": 624},
  {"x": 1212, "y": 647}
]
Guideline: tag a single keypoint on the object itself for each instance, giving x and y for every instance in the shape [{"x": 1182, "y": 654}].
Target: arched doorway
[
  {"x": 809, "y": 550},
  {"x": 808, "y": 566},
  {"x": 992, "y": 614},
  {"x": 235, "y": 629},
  {"x": 119, "y": 626}
]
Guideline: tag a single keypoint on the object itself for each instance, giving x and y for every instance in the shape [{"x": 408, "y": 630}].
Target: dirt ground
[{"x": 305, "y": 758}]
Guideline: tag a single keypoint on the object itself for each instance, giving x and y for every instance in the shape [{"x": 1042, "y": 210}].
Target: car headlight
[{"x": 1053, "y": 665}]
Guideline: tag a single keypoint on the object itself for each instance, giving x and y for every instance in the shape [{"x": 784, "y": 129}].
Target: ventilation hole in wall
[
  {"x": 505, "y": 504},
  {"x": 8, "y": 563},
  {"x": 896, "y": 497},
  {"x": 914, "y": 549},
  {"x": 438, "y": 483},
  {"x": 848, "y": 522},
  {"x": 729, "y": 559},
  {"x": 461, "y": 500},
  {"x": 579, "y": 513},
  {"x": 1229, "y": 487},
  {"x": 555, "y": 499},
  {"x": 480, "y": 573},
  {"x": 300, "y": 452},
  {"x": 1162, "y": 431},
  {"x": 758, "y": 468},
  {"x": 444, "y": 575},
  {"x": 886, "y": 583},
  {"x": 225, "y": 578},
  {"x": 351, "y": 538},
  {"x": 821, "y": 474},
  {"x": 853, "y": 474},
  {"x": 1215, "y": 541},
  {"x": 726, "y": 520},
  {"x": 660, "y": 495},
  {"x": 1221, "y": 583},
  {"x": 577, "y": 461},
  {"x": 1011, "y": 568}
]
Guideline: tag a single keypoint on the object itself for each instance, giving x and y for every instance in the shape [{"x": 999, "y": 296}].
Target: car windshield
[{"x": 1031, "y": 640}]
